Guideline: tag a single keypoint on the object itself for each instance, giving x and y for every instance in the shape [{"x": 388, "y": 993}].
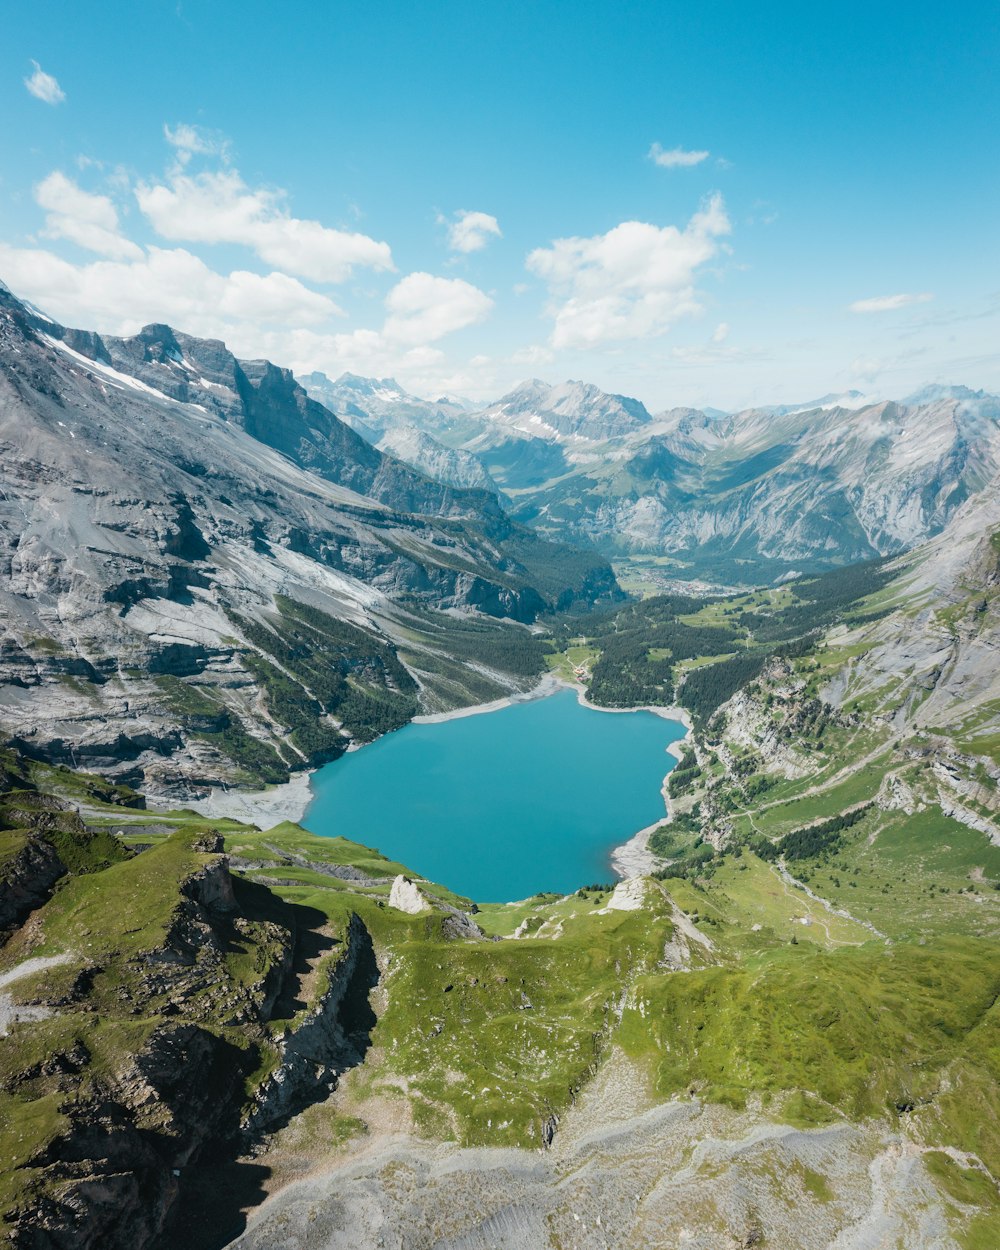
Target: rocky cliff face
[
  {"x": 41, "y": 836},
  {"x": 153, "y": 1028},
  {"x": 332, "y": 1037},
  {"x": 452, "y": 466},
  {"x": 26, "y": 880},
  {"x": 159, "y": 496},
  {"x": 570, "y": 412},
  {"x": 933, "y": 661},
  {"x": 377, "y": 406}
]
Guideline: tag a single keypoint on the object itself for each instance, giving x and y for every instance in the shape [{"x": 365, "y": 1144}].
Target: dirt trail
[
  {"x": 11, "y": 1012},
  {"x": 841, "y": 775},
  {"x": 842, "y": 912}
]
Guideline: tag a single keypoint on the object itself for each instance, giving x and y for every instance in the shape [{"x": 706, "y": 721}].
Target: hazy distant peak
[
  {"x": 571, "y": 409},
  {"x": 936, "y": 392}
]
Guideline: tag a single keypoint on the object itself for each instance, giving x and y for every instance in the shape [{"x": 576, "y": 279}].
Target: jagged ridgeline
[
  {"x": 744, "y": 497},
  {"x": 786, "y": 1033},
  {"x": 208, "y": 577}
]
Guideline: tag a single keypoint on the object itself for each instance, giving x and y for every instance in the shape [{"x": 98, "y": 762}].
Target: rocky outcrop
[
  {"x": 406, "y": 897},
  {"x": 769, "y": 732},
  {"x": 26, "y": 881},
  {"x": 628, "y": 895},
  {"x": 181, "y": 1035},
  {"x": 112, "y": 1174},
  {"x": 332, "y": 1037},
  {"x": 34, "y": 826},
  {"x": 896, "y": 794}
]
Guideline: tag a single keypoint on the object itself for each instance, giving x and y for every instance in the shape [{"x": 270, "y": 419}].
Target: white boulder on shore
[{"x": 405, "y": 896}]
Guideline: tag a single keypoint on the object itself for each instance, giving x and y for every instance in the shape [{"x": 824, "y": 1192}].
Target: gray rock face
[
  {"x": 26, "y": 881},
  {"x": 449, "y": 465},
  {"x": 681, "y": 1174},
  {"x": 157, "y": 496},
  {"x": 746, "y": 496},
  {"x": 375, "y": 406},
  {"x": 936, "y": 659},
  {"x": 772, "y": 490},
  {"x": 331, "y": 1038}
]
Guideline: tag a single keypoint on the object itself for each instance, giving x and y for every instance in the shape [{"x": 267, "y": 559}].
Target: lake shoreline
[
  {"x": 634, "y": 858},
  {"x": 263, "y": 808},
  {"x": 290, "y": 800},
  {"x": 548, "y": 684}
]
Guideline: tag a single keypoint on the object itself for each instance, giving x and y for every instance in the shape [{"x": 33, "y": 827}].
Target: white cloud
[
  {"x": 633, "y": 282},
  {"x": 273, "y": 297},
  {"x": 675, "y": 158},
  {"x": 90, "y": 221},
  {"x": 218, "y": 207},
  {"x": 423, "y": 308},
  {"x": 889, "y": 303},
  {"x": 44, "y": 87},
  {"x": 470, "y": 232},
  {"x": 192, "y": 140},
  {"x": 166, "y": 285},
  {"x": 272, "y": 315},
  {"x": 721, "y": 332}
]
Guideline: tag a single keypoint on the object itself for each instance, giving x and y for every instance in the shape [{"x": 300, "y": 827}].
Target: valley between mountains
[{"x": 782, "y": 1031}]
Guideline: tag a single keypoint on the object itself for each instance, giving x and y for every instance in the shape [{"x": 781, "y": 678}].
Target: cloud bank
[{"x": 218, "y": 207}]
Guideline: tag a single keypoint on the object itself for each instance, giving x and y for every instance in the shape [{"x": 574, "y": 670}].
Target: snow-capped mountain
[
  {"x": 168, "y": 511},
  {"x": 763, "y": 490},
  {"x": 745, "y": 495},
  {"x": 570, "y": 412}
]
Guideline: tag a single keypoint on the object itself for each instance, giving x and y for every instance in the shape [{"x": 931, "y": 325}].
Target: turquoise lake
[{"x": 504, "y": 804}]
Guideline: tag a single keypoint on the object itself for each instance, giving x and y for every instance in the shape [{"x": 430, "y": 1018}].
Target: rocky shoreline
[{"x": 264, "y": 808}]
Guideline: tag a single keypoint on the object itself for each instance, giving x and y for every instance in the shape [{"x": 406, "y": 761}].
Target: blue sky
[{"x": 719, "y": 203}]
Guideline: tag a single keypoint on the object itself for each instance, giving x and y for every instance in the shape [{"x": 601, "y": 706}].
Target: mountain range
[
  {"x": 189, "y": 543},
  {"x": 746, "y": 497}
]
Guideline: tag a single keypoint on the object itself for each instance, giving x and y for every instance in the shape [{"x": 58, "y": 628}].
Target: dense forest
[
  {"x": 642, "y": 644},
  {"x": 814, "y": 840}
]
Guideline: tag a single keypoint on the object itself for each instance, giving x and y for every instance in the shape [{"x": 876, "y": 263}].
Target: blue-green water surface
[{"x": 505, "y": 804}]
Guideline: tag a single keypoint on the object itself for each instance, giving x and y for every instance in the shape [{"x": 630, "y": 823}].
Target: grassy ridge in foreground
[{"x": 868, "y": 1031}]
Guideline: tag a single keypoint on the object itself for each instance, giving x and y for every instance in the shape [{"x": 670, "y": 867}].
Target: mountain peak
[
  {"x": 571, "y": 409},
  {"x": 935, "y": 392}
]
